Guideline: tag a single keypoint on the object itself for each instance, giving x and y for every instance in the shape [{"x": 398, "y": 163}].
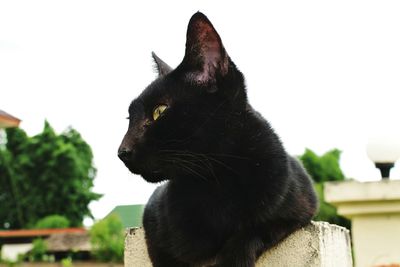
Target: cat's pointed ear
[
  {"x": 161, "y": 66},
  {"x": 205, "y": 55}
]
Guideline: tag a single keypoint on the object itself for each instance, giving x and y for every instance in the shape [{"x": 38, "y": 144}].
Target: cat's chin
[
  {"x": 149, "y": 176},
  {"x": 153, "y": 177}
]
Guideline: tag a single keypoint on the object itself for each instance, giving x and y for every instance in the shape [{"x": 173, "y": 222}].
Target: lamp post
[
  {"x": 384, "y": 152},
  {"x": 373, "y": 207}
]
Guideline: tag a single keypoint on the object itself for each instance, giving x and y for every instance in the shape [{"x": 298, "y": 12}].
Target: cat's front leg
[
  {"x": 161, "y": 258},
  {"x": 241, "y": 250}
]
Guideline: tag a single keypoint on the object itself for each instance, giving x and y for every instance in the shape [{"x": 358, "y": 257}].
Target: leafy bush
[
  {"x": 323, "y": 169},
  {"x": 107, "y": 238},
  {"x": 52, "y": 221},
  {"x": 327, "y": 212},
  {"x": 38, "y": 251},
  {"x": 66, "y": 262}
]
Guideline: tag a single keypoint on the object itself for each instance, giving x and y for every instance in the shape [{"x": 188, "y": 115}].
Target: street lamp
[{"x": 384, "y": 152}]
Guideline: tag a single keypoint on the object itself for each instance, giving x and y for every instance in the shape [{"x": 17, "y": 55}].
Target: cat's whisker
[
  {"x": 206, "y": 161},
  {"x": 190, "y": 162},
  {"x": 199, "y": 164},
  {"x": 229, "y": 156},
  {"x": 207, "y": 158},
  {"x": 190, "y": 170},
  {"x": 184, "y": 154},
  {"x": 209, "y": 154},
  {"x": 194, "y": 157},
  {"x": 196, "y": 162},
  {"x": 223, "y": 165}
]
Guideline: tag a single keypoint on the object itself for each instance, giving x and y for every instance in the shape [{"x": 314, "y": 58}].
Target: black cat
[{"x": 232, "y": 191}]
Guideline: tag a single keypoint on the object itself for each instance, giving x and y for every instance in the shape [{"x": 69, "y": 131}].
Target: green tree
[
  {"x": 52, "y": 221},
  {"x": 10, "y": 202},
  {"x": 323, "y": 169},
  {"x": 45, "y": 174},
  {"x": 107, "y": 238}
]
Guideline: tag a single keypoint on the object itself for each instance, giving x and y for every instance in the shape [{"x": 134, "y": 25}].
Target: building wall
[{"x": 376, "y": 239}]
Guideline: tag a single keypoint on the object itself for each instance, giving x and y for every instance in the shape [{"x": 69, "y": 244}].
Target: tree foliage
[
  {"x": 45, "y": 174},
  {"x": 107, "y": 238},
  {"x": 323, "y": 169},
  {"x": 52, "y": 221}
]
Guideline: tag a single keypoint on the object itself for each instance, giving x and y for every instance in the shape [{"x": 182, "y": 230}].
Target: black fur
[{"x": 232, "y": 191}]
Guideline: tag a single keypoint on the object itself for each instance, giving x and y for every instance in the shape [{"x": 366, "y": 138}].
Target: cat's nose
[{"x": 125, "y": 154}]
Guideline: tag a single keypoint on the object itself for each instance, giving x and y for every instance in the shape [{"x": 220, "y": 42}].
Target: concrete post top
[
  {"x": 319, "y": 244},
  {"x": 374, "y": 209},
  {"x": 353, "y": 191}
]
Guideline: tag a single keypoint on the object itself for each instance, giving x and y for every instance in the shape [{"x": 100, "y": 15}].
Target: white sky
[{"x": 326, "y": 74}]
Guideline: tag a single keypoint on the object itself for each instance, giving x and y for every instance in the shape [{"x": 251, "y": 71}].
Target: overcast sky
[{"x": 326, "y": 74}]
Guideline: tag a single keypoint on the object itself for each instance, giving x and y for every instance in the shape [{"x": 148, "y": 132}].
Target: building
[
  {"x": 59, "y": 241},
  {"x": 130, "y": 215},
  {"x": 7, "y": 120}
]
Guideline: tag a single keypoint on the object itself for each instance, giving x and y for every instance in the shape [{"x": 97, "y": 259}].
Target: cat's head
[{"x": 187, "y": 112}]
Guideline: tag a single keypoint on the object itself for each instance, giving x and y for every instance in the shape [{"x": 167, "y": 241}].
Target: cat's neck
[{"x": 252, "y": 149}]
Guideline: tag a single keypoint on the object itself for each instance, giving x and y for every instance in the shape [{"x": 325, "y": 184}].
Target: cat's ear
[
  {"x": 161, "y": 66},
  {"x": 205, "y": 56}
]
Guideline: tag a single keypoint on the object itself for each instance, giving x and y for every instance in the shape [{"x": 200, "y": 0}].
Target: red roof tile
[{"x": 39, "y": 232}]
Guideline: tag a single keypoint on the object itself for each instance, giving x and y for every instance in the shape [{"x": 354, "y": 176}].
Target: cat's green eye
[{"x": 158, "y": 111}]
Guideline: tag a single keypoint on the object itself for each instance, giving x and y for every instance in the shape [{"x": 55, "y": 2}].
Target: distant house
[
  {"x": 59, "y": 241},
  {"x": 130, "y": 215},
  {"x": 62, "y": 244},
  {"x": 7, "y": 121}
]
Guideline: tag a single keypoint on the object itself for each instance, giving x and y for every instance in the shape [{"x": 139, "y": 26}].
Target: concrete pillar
[
  {"x": 317, "y": 245},
  {"x": 374, "y": 210}
]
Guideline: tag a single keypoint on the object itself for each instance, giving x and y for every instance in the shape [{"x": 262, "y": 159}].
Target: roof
[
  {"x": 130, "y": 215},
  {"x": 69, "y": 242},
  {"x": 6, "y": 120},
  {"x": 38, "y": 232}
]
